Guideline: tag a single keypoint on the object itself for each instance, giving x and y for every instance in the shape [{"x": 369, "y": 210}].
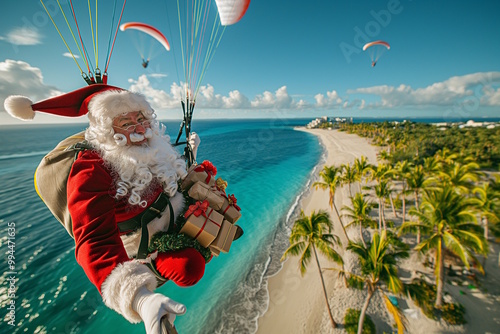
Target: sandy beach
[{"x": 297, "y": 305}]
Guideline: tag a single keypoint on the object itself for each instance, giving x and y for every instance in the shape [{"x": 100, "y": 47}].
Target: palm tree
[
  {"x": 495, "y": 185},
  {"x": 431, "y": 165},
  {"x": 383, "y": 155},
  {"x": 309, "y": 235},
  {"x": 382, "y": 190},
  {"x": 449, "y": 221},
  {"x": 416, "y": 181},
  {"x": 384, "y": 172},
  {"x": 488, "y": 205},
  {"x": 332, "y": 178},
  {"x": 379, "y": 264},
  {"x": 361, "y": 166},
  {"x": 461, "y": 176},
  {"x": 444, "y": 156},
  {"x": 359, "y": 214},
  {"x": 348, "y": 176},
  {"x": 403, "y": 169}
]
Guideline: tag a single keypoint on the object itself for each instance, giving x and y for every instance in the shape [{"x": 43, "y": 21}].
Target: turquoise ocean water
[{"x": 268, "y": 166}]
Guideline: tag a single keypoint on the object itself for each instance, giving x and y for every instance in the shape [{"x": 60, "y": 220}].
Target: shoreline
[{"x": 296, "y": 303}]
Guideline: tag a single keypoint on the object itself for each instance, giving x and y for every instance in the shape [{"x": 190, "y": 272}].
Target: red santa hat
[{"x": 99, "y": 101}]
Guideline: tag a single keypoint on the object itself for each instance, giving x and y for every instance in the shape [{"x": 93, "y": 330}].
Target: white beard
[{"x": 137, "y": 166}]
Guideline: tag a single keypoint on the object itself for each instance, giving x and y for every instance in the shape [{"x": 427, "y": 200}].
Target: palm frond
[
  {"x": 294, "y": 250},
  {"x": 415, "y": 290},
  {"x": 304, "y": 260},
  {"x": 397, "y": 314}
]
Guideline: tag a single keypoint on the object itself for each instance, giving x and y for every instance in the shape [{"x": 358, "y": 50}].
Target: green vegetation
[
  {"x": 414, "y": 141},
  {"x": 452, "y": 313},
  {"x": 351, "y": 319},
  {"x": 378, "y": 262},
  {"x": 326, "y": 125}
]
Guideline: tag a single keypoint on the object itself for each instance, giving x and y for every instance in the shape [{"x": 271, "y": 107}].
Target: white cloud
[
  {"x": 206, "y": 98},
  {"x": 157, "y": 75},
  {"x": 453, "y": 91},
  {"x": 69, "y": 55},
  {"x": 236, "y": 100},
  {"x": 466, "y": 92},
  {"x": 491, "y": 96},
  {"x": 279, "y": 100},
  {"x": 24, "y": 36},
  {"x": 20, "y": 78},
  {"x": 331, "y": 100},
  {"x": 159, "y": 99}
]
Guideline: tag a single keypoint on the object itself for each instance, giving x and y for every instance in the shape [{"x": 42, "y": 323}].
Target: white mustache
[{"x": 136, "y": 137}]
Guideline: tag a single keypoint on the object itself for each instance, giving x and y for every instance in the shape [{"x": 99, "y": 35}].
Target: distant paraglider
[
  {"x": 375, "y": 49},
  {"x": 151, "y": 31}
]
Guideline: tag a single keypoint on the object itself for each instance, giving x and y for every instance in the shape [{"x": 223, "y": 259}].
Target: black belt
[{"x": 142, "y": 220}]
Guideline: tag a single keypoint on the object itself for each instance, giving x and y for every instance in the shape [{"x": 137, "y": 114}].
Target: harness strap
[
  {"x": 160, "y": 280},
  {"x": 142, "y": 220},
  {"x": 79, "y": 147}
]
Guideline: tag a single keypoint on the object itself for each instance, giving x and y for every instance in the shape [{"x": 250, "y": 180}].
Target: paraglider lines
[
  {"x": 108, "y": 55},
  {"x": 94, "y": 75},
  {"x": 87, "y": 62},
  {"x": 94, "y": 40},
  {"x": 55, "y": 25}
]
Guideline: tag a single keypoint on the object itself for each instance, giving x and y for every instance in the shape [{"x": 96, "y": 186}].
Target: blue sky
[{"x": 283, "y": 59}]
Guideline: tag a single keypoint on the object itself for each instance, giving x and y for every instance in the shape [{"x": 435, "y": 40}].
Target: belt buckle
[{"x": 156, "y": 211}]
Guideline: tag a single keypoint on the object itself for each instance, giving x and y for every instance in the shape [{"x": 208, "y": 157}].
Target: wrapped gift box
[
  {"x": 201, "y": 191},
  {"x": 204, "y": 172},
  {"x": 225, "y": 237},
  {"x": 202, "y": 223},
  {"x": 214, "y": 250},
  {"x": 230, "y": 209}
]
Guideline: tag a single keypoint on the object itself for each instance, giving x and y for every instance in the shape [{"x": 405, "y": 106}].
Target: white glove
[
  {"x": 152, "y": 307},
  {"x": 194, "y": 142}
]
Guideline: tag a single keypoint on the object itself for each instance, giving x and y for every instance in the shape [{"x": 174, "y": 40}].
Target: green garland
[
  {"x": 173, "y": 240},
  {"x": 166, "y": 242}
]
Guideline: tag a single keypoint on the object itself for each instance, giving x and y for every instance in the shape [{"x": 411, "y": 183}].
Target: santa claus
[{"x": 121, "y": 193}]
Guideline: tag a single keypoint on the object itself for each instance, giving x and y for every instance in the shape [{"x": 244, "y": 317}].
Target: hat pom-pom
[{"x": 19, "y": 107}]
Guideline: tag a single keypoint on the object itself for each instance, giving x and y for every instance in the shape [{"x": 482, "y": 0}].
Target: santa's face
[{"x": 133, "y": 126}]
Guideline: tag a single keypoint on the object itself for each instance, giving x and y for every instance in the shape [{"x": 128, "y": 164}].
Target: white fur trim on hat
[
  {"x": 19, "y": 107},
  {"x": 111, "y": 103},
  {"x": 121, "y": 286}
]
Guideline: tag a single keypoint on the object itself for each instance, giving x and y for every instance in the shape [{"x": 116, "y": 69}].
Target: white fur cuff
[{"x": 121, "y": 286}]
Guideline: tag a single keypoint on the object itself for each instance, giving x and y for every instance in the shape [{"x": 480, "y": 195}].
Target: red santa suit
[{"x": 104, "y": 253}]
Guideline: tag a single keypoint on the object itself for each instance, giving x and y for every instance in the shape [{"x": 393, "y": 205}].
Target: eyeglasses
[{"x": 131, "y": 128}]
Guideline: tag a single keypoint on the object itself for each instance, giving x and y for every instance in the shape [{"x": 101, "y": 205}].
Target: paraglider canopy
[
  {"x": 375, "y": 49},
  {"x": 231, "y": 11},
  {"x": 150, "y": 31}
]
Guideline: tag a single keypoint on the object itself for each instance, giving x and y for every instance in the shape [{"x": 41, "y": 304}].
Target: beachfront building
[
  {"x": 472, "y": 124},
  {"x": 316, "y": 123},
  {"x": 328, "y": 123},
  {"x": 468, "y": 124}
]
